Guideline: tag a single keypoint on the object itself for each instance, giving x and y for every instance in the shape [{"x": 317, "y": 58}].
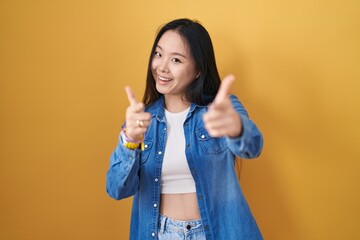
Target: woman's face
[{"x": 173, "y": 67}]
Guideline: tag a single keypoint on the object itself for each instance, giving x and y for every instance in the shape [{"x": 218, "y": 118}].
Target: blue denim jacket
[{"x": 223, "y": 208}]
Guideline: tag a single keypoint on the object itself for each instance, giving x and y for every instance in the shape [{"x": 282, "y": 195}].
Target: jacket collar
[{"x": 157, "y": 109}]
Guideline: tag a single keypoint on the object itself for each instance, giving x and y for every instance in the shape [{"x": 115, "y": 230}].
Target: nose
[{"x": 163, "y": 66}]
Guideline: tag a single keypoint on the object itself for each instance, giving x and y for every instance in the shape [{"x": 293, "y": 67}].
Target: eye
[
  {"x": 157, "y": 54},
  {"x": 176, "y": 60}
]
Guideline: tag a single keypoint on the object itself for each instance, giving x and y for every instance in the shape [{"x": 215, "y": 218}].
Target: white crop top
[{"x": 176, "y": 176}]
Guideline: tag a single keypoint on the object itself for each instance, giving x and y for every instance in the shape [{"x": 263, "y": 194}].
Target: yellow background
[{"x": 63, "y": 68}]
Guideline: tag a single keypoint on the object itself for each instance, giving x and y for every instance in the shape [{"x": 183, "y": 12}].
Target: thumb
[
  {"x": 224, "y": 89},
  {"x": 131, "y": 96}
]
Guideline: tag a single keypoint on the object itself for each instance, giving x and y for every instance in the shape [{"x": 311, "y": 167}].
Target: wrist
[{"x": 128, "y": 139}]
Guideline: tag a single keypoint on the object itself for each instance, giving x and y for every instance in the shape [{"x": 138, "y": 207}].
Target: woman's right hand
[{"x": 137, "y": 121}]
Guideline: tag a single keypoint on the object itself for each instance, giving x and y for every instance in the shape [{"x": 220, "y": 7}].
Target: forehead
[{"x": 171, "y": 41}]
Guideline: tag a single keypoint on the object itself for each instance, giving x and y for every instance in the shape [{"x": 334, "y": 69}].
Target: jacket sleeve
[
  {"x": 122, "y": 179},
  {"x": 250, "y": 143}
]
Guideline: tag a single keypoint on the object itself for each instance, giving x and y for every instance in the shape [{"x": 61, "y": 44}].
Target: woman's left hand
[{"x": 221, "y": 118}]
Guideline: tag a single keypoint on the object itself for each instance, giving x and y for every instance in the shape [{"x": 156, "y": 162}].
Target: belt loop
[{"x": 163, "y": 223}]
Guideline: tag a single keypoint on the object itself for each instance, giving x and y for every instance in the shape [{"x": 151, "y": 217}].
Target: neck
[{"x": 176, "y": 103}]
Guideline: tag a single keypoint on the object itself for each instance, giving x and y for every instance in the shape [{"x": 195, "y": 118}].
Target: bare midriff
[{"x": 182, "y": 206}]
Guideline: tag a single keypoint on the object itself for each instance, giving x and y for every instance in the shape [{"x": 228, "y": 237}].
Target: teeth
[{"x": 165, "y": 79}]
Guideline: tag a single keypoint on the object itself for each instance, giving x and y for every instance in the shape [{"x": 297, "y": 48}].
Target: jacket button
[
  {"x": 188, "y": 145},
  {"x": 155, "y": 205},
  {"x": 146, "y": 146},
  {"x": 159, "y": 152},
  {"x": 153, "y": 234},
  {"x": 202, "y": 136},
  {"x": 156, "y": 179},
  {"x": 206, "y": 227}
]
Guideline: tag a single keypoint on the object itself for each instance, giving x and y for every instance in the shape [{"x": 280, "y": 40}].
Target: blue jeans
[{"x": 171, "y": 229}]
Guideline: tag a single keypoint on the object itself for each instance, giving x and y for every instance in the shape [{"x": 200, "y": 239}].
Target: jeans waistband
[{"x": 180, "y": 226}]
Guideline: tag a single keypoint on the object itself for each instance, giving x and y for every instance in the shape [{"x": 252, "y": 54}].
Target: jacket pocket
[
  {"x": 146, "y": 152},
  {"x": 208, "y": 143}
]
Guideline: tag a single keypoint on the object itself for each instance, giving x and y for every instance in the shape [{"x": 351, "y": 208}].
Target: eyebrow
[{"x": 174, "y": 53}]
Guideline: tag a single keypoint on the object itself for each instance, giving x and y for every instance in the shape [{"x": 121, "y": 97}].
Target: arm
[
  {"x": 227, "y": 117},
  {"x": 250, "y": 142},
  {"x": 122, "y": 179}
]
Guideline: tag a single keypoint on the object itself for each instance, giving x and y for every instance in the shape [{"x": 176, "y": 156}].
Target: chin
[{"x": 161, "y": 91}]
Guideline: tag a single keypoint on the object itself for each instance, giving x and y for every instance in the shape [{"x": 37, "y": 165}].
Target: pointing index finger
[
  {"x": 224, "y": 89},
  {"x": 131, "y": 96}
]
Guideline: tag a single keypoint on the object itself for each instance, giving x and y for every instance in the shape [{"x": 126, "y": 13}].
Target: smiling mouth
[{"x": 164, "y": 79}]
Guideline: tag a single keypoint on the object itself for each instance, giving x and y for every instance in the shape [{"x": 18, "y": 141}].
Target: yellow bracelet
[{"x": 131, "y": 145}]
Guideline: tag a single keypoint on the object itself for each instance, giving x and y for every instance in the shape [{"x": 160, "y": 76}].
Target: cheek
[
  {"x": 154, "y": 64},
  {"x": 153, "y": 67},
  {"x": 189, "y": 75},
  {"x": 189, "y": 72}
]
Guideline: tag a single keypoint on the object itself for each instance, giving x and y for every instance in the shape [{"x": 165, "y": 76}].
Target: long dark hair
[{"x": 202, "y": 91}]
